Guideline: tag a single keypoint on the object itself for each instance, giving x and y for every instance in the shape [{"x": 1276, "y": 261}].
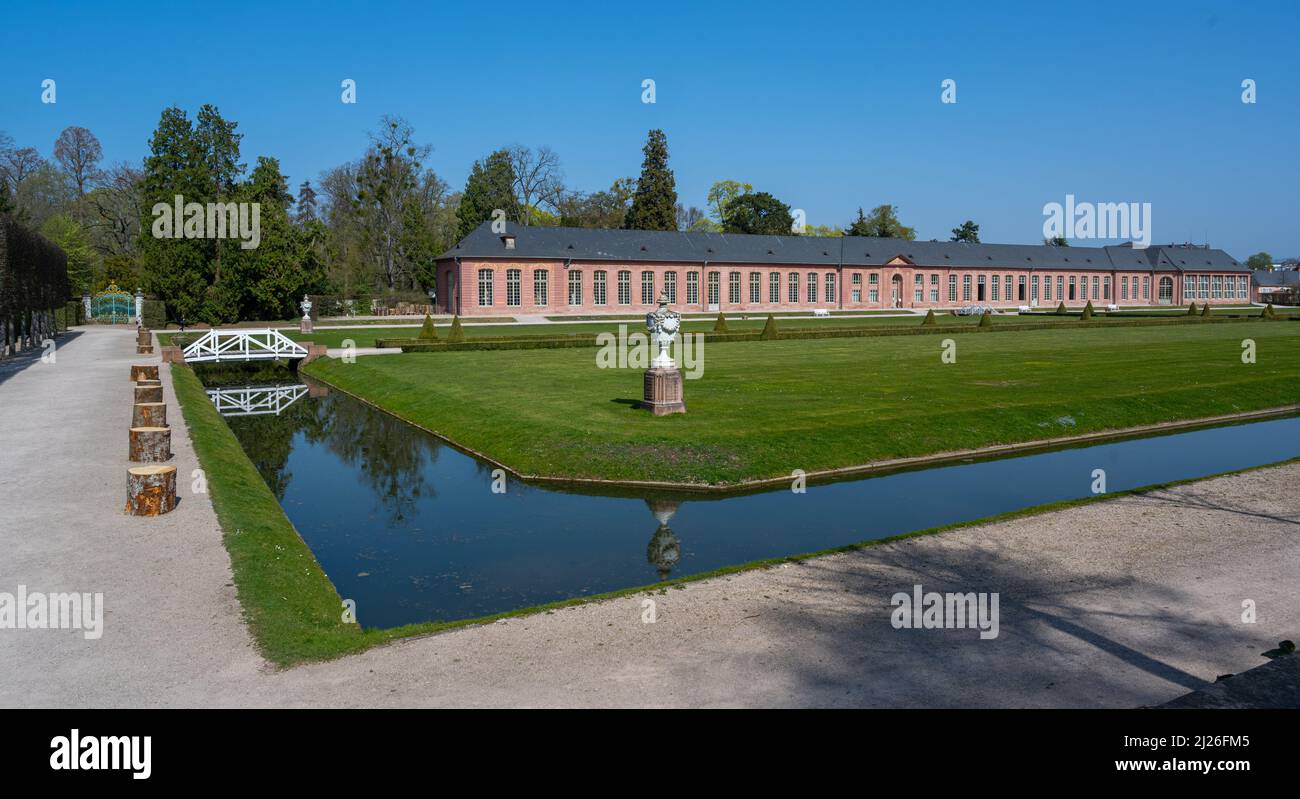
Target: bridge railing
[{"x": 243, "y": 345}]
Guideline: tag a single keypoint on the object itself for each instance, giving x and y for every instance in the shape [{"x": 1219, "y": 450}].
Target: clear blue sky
[{"x": 827, "y": 107}]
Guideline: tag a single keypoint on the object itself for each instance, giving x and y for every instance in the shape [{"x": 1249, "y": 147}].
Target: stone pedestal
[
  {"x": 663, "y": 392},
  {"x": 304, "y": 325}
]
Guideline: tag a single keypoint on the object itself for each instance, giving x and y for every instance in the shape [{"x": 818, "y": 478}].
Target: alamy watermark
[
  {"x": 182, "y": 220},
  {"x": 35, "y": 610},
  {"x": 932, "y": 610},
  {"x": 1085, "y": 220},
  {"x": 632, "y": 351}
]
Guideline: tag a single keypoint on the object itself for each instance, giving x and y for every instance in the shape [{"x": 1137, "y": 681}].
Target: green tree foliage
[
  {"x": 881, "y": 223},
  {"x": 968, "y": 231},
  {"x": 69, "y": 235},
  {"x": 654, "y": 204},
  {"x": 1260, "y": 260},
  {"x": 1057, "y": 241},
  {"x": 1087, "y": 312},
  {"x": 211, "y": 279},
  {"x": 602, "y": 209},
  {"x": 723, "y": 192},
  {"x": 757, "y": 213},
  {"x": 490, "y": 187}
]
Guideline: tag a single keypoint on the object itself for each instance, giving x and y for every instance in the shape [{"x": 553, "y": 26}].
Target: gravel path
[{"x": 1129, "y": 602}]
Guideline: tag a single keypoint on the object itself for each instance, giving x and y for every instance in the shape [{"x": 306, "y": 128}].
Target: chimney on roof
[{"x": 509, "y": 241}]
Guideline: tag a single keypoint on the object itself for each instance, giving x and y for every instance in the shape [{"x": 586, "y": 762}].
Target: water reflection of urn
[{"x": 664, "y": 550}]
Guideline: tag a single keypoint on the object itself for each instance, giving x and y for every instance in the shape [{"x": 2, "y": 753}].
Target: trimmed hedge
[
  {"x": 567, "y": 342},
  {"x": 33, "y": 284}
]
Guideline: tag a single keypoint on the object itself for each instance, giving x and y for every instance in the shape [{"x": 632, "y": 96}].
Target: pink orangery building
[{"x": 556, "y": 271}]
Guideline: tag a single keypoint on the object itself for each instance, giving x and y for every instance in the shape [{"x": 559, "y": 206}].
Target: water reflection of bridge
[{"x": 256, "y": 400}]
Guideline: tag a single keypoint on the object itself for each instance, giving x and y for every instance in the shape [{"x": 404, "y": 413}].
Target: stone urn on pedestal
[
  {"x": 304, "y": 325},
  {"x": 663, "y": 380}
]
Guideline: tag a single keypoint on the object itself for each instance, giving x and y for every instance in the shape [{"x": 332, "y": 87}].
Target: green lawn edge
[{"x": 295, "y": 616}]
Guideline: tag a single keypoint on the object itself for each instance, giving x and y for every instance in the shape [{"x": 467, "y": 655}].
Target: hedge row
[
  {"x": 544, "y": 342},
  {"x": 33, "y": 285}
]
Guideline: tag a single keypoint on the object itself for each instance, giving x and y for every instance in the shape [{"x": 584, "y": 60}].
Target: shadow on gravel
[
  {"x": 1053, "y": 623},
  {"x": 16, "y": 363}
]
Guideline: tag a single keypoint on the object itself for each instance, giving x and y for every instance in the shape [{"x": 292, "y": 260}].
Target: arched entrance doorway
[
  {"x": 1166, "y": 291},
  {"x": 896, "y": 291}
]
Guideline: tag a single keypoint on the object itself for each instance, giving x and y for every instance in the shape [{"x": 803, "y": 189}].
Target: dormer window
[{"x": 509, "y": 241}]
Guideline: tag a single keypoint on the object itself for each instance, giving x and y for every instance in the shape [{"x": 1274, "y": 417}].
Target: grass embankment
[
  {"x": 764, "y": 409},
  {"x": 290, "y": 605}
]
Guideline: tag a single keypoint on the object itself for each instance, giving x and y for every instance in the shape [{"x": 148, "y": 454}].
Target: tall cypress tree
[
  {"x": 491, "y": 186},
  {"x": 654, "y": 205},
  {"x": 175, "y": 269}
]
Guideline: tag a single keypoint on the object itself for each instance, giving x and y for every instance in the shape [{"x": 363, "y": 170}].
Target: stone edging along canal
[{"x": 875, "y": 467}]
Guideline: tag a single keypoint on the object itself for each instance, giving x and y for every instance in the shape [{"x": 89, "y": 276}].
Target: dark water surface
[{"x": 410, "y": 529}]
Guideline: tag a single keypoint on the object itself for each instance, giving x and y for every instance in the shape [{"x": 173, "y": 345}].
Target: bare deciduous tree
[
  {"x": 539, "y": 179},
  {"x": 17, "y": 163},
  {"x": 78, "y": 153},
  {"x": 117, "y": 209}
]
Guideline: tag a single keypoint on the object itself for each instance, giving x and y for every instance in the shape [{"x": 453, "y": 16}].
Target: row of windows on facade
[{"x": 986, "y": 288}]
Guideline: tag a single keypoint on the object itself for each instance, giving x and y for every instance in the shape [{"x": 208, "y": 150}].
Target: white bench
[{"x": 821, "y": 312}]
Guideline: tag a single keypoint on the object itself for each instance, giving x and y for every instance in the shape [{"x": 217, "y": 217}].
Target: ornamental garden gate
[{"x": 112, "y": 305}]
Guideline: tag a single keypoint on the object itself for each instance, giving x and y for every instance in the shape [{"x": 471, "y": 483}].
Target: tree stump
[
  {"x": 144, "y": 371},
  {"x": 148, "y": 394},
  {"x": 144, "y": 349},
  {"x": 149, "y": 414},
  {"x": 143, "y": 337},
  {"x": 151, "y": 444},
  {"x": 150, "y": 490}
]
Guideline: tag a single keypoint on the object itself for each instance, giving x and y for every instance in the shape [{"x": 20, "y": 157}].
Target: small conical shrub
[
  {"x": 986, "y": 320},
  {"x": 929, "y": 318},
  {"x": 1205, "y": 310},
  {"x": 1060, "y": 309},
  {"x": 1191, "y": 309},
  {"x": 457, "y": 334},
  {"x": 1268, "y": 312},
  {"x": 1087, "y": 312},
  {"x": 769, "y": 329},
  {"x": 427, "y": 331},
  {"x": 720, "y": 324}
]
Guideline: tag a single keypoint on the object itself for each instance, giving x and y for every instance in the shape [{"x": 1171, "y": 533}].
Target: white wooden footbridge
[{"x": 243, "y": 345}]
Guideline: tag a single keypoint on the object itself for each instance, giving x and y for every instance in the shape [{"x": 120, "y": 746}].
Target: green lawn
[{"x": 764, "y": 409}]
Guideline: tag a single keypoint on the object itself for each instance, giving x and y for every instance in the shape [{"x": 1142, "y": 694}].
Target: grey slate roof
[
  {"x": 1288, "y": 277},
  {"x": 588, "y": 244}
]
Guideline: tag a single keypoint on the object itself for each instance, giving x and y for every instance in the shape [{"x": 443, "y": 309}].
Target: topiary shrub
[
  {"x": 1060, "y": 309},
  {"x": 457, "y": 334},
  {"x": 720, "y": 324},
  {"x": 929, "y": 318},
  {"x": 1191, "y": 309},
  {"x": 986, "y": 320},
  {"x": 1205, "y": 310},
  {"x": 1268, "y": 312},
  {"x": 1087, "y": 312},
  {"x": 769, "y": 329},
  {"x": 428, "y": 332}
]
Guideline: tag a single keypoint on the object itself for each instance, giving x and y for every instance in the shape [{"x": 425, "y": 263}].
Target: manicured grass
[{"x": 764, "y": 409}]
